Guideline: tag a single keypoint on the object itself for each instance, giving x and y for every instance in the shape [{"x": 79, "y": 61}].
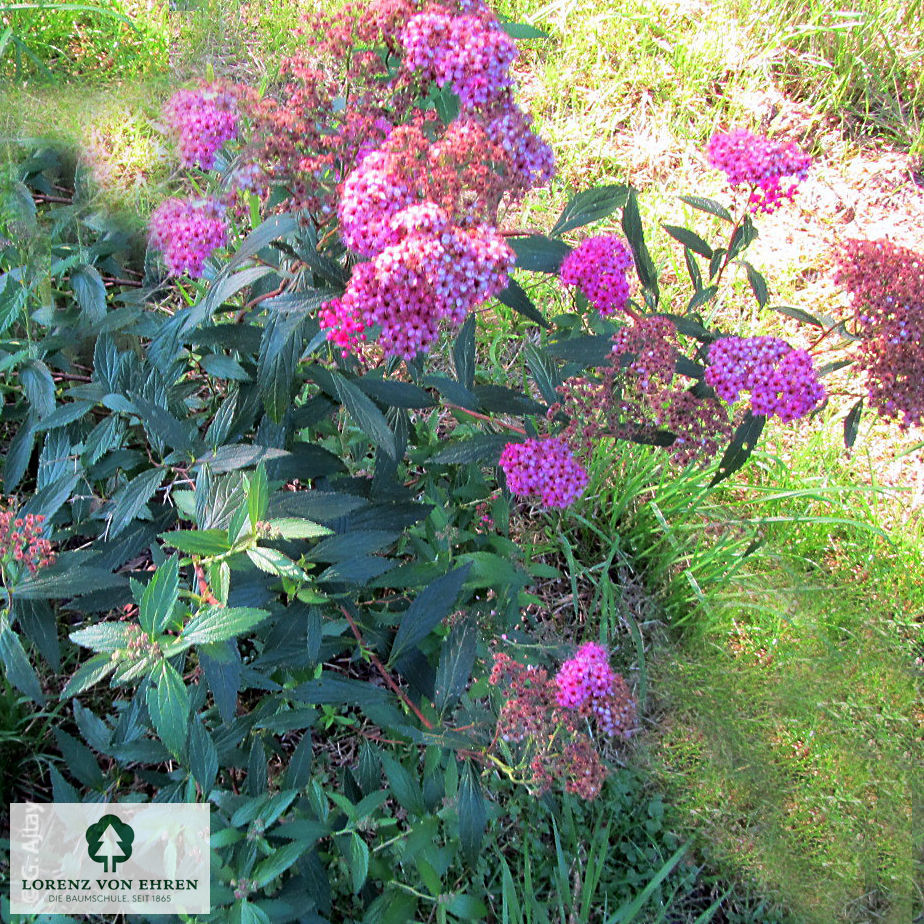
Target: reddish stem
[{"x": 464, "y": 410}]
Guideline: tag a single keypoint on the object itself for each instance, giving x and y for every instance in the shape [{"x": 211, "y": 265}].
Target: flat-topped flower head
[
  {"x": 545, "y": 469},
  {"x": 599, "y": 267},
  {"x": 780, "y": 379},
  {"x": 588, "y": 684},
  {"x": 202, "y": 120},
  {"x": 23, "y": 547},
  {"x": 756, "y": 161},
  {"x": 187, "y": 231}
]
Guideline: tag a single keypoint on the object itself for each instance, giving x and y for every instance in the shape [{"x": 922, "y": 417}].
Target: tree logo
[{"x": 109, "y": 842}]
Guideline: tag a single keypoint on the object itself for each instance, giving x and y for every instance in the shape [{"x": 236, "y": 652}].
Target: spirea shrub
[{"x": 287, "y": 494}]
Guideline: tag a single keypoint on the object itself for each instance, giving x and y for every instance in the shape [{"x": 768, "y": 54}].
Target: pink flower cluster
[
  {"x": 588, "y": 684},
  {"x": 203, "y": 120},
  {"x": 756, "y": 161},
  {"x": 544, "y": 468},
  {"x": 21, "y": 542},
  {"x": 433, "y": 271},
  {"x": 531, "y": 162},
  {"x": 598, "y": 267},
  {"x": 781, "y": 380},
  {"x": 187, "y": 231},
  {"x": 470, "y": 53}
]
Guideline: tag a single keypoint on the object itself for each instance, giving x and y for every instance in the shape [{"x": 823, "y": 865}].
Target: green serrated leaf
[
  {"x": 130, "y": 499},
  {"x": 257, "y": 491},
  {"x": 403, "y": 786},
  {"x": 90, "y": 292},
  {"x": 457, "y": 657},
  {"x": 18, "y": 668},
  {"x": 273, "y": 562},
  {"x": 203, "y": 756},
  {"x": 369, "y": 418},
  {"x": 635, "y": 235},
  {"x": 702, "y": 297},
  {"x": 205, "y": 542},
  {"x": 463, "y": 353},
  {"x": 758, "y": 284},
  {"x": 473, "y": 814},
  {"x": 168, "y": 706},
  {"x": 485, "y": 449},
  {"x": 38, "y": 386},
  {"x": 297, "y": 528},
  {"x": 159, "y": 598},
  {"x": 281, "y": 859},
  {"x": 218, "y": 623},
  {"x": 89, "y": 673}
]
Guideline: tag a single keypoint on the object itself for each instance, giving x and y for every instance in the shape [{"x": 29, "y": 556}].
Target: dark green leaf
[
  {"x": 19, "y": 454},
  {"x": 590, "y": 205},
  {"x": 403, "y": 786},
  {"x": 701, "y": 297},
  {"x": 852, "y": 424},
  {"x": 298, "y": 773},
  {"x": 206, "y": 542},
  {"x": 159, "y": 598},
  {"x": 358, "y": 861},
  {"x": 352, "y": 543},
  {"x": 161, "y": 424},
  {"x": 484, "y": 449},
  {"x": 39, "y": 387},
  {"x": 739, "y": 450},
  {"x": 168, "y": 706},
  {"x": 457, "y": 657},
  {"x": 395, "y": 394},
  {"x": 232, "y": 458},
  {"x": 463, "y": 353},
  {"x": 696, "y": 277},
  {"x": 130, "y": 499},
  {"x": 223, "y": 287},
  {"x": 218, "y": 623},
  {"x": 497, "y": 399},
  {"x": 473, "y": 814},
  {"x": 539, "y": 254},
  {"x": 18, "y": 669},
  {"x": 543, "y": 372},
  {"x": 37, "y": 620},
  {"x": 428, "y": 610},
  {"x": 707, "y": 205},
  {"x": 65, "y": 414},
  {"x": 452, "y": 391},
  {"x": 635, "y": 235},
  {"x": 369, "y": 418},
  {"x": 280, "y": 860},
  {"x": 758, "y": 284},
  {"x": 798, "y": 314},
  {"x": 588, "y": 350},
  {"x": 334, "y": 690},
  {"x": 522, "y": 30},
  {"x": 744, "y": 235},
  {"x": 515, "y": 297},
  {"x": 272, "y": 229},
  {"x": 224, "y": 367},
  {"x": 203, "y": 756},
  {"x": 90, "y": 672},
  {"x": 79, "y": 759},
  {"x": 280, "y": 350},
  {"x": 690, "y": 239},
  {"x": 90, "y": 292}
]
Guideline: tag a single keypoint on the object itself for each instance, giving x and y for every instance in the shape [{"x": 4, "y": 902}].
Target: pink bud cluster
[
  {"x": 470, "y": 53},
  {"x": 544, "y": 468},
  {"x": 598, "y": 267},
  {"x": 756, "y": 161},
  {"x": 187, "y": 231},
  {"x": 22, "y": 543},
  {"x": 588, "y": 684},
  {"x": 781, "y": 380},
  {"x": 886, "y": 283},
  {"x": 203, "y": 120},
  {"x": 553, "y": 742}
]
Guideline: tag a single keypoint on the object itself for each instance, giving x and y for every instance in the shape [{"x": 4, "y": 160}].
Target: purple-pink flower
[
  {"x": 599, "y": 267},
  {"x": 203, "y": 120},
  {"x": 187, "y": 231},
  {"x": 588, "y": 684},
  {"x": 780, "y": 379},
  {"x": 756, "y": 161},
  {"x": 544, "y": 468}
]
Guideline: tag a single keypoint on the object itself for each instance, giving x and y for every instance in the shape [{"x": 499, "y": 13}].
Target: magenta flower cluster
[
  {"x": 203, "y": 120},
  {"x": 187, "y": 231},
  {"x": 756, "y": 161},
  {"x": 598, "y": 267},
  {"x": 544, "y": 468},
  {"x": 587, "y": 683},
  {"x": 470, "y": 53},
  {"x": 781, "y": 380},
  {"x": 532, "y": 162},
  {"x": 429, "y": 271}
]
